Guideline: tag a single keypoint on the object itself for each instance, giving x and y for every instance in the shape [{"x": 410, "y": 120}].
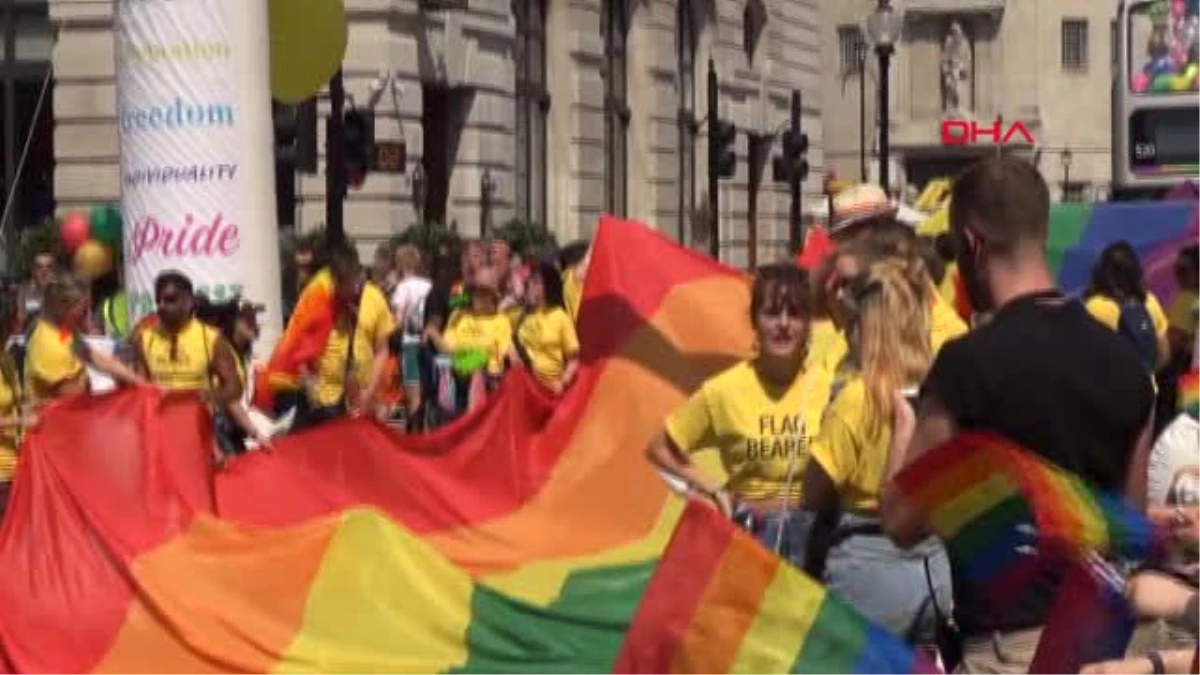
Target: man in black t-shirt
[{"x": 1040, "y": 372}]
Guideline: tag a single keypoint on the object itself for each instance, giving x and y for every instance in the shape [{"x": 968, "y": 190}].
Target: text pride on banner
[{"x": 193, "y": 113}]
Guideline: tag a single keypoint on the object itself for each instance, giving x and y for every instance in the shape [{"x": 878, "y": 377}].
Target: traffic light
[
  {"x": 792, "y": 164},
  {"x": 358, "y": 139},
  {"x": 722, "y": 155},
  {"x": 295, "y": 127}
]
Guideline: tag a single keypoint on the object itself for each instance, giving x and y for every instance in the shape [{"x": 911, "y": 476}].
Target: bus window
[{"x": 1162, "y": 48}]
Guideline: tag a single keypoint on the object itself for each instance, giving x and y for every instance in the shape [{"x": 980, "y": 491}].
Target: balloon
[
  {"x": 106, "y": 225},
  {"x": 1180, "y": 83},
  {"x": 308, "y": 41},
  {"x": 74, "y": 230},
  {"x": 1140, "y": 82},
  {"x": 1159, "y": 66},
  {"x": 1162, "y": 82},
  {"x": 1177, "y": 8},
  {"x": 93, "y": 259}
]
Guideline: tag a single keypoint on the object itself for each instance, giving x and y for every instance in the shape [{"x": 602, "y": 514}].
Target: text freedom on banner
[{"x": 197, "y": 189}]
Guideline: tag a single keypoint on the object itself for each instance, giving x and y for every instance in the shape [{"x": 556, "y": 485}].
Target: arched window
[
  {"x": 685, "y": 46},
  {"x": 615, "y": 29},
  {"x": 532, "y": 104}
]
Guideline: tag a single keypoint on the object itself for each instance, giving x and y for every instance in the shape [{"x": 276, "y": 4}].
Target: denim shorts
[
  {"x": 889, "y": 585},
  {"x": 410, "y": 360},
  {"x": 787, "y": 528}
]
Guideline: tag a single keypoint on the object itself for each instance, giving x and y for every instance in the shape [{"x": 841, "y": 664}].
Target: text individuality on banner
[{"x": 197, "y": 189}]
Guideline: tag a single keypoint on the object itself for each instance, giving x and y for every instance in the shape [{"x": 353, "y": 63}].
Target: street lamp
[{"x": 884, "y": 26}]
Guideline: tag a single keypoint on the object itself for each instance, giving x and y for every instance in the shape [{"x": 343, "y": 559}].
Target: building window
[
  {"x": 1112, "y": 43},
  {"x": 614, "y": 28},
  {"x": 1074, "y": 44},
  {"x": 26, "y": 113},
  {"x": 686, "y": 56},
  {"x": 532, "y": 105},
  {"x": 852, "y": 47}
]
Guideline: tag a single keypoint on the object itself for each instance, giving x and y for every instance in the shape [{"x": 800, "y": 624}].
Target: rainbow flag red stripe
[
  {"x": 988, "y": 498},
  {"x": 721, "y": 603}
]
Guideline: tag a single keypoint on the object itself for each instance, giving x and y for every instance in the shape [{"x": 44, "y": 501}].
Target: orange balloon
[{"x": 93, "y": 259}]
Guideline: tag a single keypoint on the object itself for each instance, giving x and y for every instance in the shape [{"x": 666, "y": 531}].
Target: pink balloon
[
  {"x": 1140, "y": 81},
  {"x": 74, "y": 230}
]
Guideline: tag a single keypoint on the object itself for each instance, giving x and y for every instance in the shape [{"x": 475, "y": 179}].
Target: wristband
[{"x": 1156, "y": 663}]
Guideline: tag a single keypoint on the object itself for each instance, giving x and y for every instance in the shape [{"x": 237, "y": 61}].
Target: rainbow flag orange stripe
[
  {"x": 988, "y": 498},
  {"x": 719, "y": 603}
]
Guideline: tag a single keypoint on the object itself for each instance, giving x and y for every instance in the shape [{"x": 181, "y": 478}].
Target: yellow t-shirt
[
  {"x": 759, "y": 436},
  {"x": 1108, "y": 312},
  {"x": 488, "y": 333},
  {"x": 9, "y": 406},
  {"x": 51, "y": 359},
  {"x": 375, "y": 324},
  {"x": 944, "y": 325},
  {"x": 187, "y": 367},
  {"x": 572, "y": 293},
  {"x": 948, "y": 289},
  {"x": 1182, "y": 314},
  {"x": 826, "y": 345},
  {"x": 853, "y": 457},
  {"x": 548, "y": 336}
]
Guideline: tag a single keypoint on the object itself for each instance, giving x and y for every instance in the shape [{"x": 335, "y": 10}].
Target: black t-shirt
[{"x": 1045, "y": 374}]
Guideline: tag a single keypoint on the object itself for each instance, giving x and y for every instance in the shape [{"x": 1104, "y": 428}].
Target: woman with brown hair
[
  {"x": 761, "y": 415},
  {"x": 886, "y": 313},
  {"x": 57, "y": 356}
]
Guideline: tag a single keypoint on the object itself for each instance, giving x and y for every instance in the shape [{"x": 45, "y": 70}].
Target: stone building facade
[
  {"x": 554, "y": 111},
  {"x": 1046, "y": 64}
]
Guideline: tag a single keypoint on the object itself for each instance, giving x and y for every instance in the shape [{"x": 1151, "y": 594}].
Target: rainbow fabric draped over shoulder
[
  {"x": 306, "y": 332},
  {"x": 721, "y": 603},
  {"x": 991, "y": 501},
  {"x": 520, "y": 538}
]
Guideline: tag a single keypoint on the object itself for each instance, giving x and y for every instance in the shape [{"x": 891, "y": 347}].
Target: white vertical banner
[{"x": 197, "y": 166}]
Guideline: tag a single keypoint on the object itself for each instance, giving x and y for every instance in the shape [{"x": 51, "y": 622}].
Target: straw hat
[{"x": 859, "y": 203}]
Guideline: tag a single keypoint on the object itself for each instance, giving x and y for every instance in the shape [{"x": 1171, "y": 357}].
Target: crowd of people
[
  {"x": 863, "y": 365},
  {"x": 415, "y": 342},
  {"x": 889, "y": 348}
]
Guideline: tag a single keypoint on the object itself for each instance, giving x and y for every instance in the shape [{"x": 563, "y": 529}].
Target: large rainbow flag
[{"x": 522, "y": 538}]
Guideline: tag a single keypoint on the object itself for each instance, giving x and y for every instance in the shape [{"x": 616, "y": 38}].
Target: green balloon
[{"x": 106, "y": 225}]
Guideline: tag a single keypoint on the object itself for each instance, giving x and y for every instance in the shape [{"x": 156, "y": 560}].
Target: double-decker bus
[{"x": 1156, "y": 116}]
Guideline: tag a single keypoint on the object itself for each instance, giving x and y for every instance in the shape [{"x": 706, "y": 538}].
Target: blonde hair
[
  {"x": 64, "y": 292},
  {"x": 889, "y": 308},
  {"x": 408, "y": 259}
]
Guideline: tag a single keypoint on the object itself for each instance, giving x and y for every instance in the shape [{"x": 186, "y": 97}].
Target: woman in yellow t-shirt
[
  {"x": 479, "y": 339},
  {"x": 852, "y": 259},
  {"x": 1117, "y": 283},
  {"x": 573, "y": 260},
  {"x": 761, "y": 415},
  {"x": 56, "y": 355},
  {"x": 546, "y": 340},
  {"x": 888, "y": 313},
  {"x": 11, "y": 420}
]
